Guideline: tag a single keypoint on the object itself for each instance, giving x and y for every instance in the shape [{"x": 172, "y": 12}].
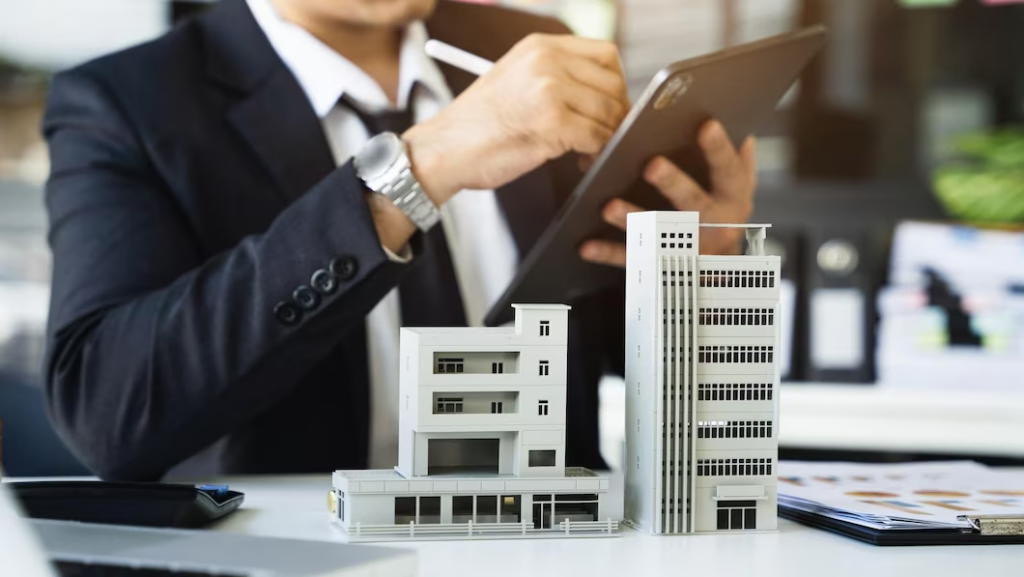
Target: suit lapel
[
  {"x": 271, "y": 114},
  {"x": 281, "y": 128}
]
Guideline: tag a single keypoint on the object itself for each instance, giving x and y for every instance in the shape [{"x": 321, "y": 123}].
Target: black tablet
[
  {"x": 739, "y": 86},
  {"x": 138, "y": 504}
]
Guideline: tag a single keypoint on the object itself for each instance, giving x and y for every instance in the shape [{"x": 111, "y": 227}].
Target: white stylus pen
[{"x": 458, "y": 58}]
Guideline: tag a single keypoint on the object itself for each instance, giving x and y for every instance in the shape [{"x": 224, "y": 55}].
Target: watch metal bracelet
[{"x": 407, "y": 194}]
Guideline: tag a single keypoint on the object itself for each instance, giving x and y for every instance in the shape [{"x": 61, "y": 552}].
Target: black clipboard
[{"x": 900, "y": 537}]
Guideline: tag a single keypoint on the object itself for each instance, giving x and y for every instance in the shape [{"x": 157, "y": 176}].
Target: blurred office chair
[{"x": 31, "y": 447}]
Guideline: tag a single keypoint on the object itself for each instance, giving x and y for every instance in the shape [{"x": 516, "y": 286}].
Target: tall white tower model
[
  {"x": 702, "y": 379},
  {"x": 481, "y": 441}
]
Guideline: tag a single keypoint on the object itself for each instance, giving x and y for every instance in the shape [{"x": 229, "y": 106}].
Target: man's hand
[
  {"x": 548, "y": 96},
  {"x": 731, "y": 199}
]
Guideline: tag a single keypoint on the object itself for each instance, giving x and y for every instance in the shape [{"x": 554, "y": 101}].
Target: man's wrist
[
  {"x": 430, "y": 165},
  {"x": 394, "y": 227}
]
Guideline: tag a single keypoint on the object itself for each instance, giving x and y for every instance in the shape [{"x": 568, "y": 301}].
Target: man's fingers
[
  {"x": 604, "y": 252},
  {"x": 578, "y": 133},
  {"x": 677, "y": 186},
  {"x": 748, "y": 157},
  {"x": 612, "y": 82},
  {"x": 601, "y": 51},
  {"x": 594, "y": 105},
  {"x": 727, "y": 174},
  {"x": 615, "y": 212}
]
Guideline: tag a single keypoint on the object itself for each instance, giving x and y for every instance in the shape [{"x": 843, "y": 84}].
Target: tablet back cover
[{"x": 740, "y": 86}]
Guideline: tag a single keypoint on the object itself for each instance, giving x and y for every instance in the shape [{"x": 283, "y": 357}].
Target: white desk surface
[{"x": 296, "y": 507}]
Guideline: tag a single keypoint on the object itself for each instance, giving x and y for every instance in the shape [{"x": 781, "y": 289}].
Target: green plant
[{"x": 986, "y": 184}]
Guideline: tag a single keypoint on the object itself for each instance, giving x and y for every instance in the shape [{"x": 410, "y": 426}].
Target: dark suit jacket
[{"x": 192, "y": 190}]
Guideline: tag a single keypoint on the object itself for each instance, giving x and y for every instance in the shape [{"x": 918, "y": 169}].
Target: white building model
[
  {"x": 701, "y": 379},
  {"x": 481, "y": 441}
]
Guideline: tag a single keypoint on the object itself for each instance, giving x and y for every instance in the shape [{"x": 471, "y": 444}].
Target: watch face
[{"x": 377, "y": 155}]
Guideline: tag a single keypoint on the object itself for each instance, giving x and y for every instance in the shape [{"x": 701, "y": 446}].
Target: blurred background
[{"x": 893, "y": 174}]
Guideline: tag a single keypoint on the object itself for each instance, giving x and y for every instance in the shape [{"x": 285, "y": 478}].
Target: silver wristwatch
[{"x": 384, "y": 167}]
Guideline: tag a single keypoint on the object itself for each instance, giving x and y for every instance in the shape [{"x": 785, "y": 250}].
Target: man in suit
[{"x": 229, "y": 281}]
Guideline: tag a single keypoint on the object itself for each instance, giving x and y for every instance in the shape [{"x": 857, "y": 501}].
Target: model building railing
[
  {"x": 607, "y": 526},
  {"x": 470, "y": 528}
]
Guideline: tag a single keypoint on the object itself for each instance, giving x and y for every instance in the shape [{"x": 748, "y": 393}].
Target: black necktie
[{"x": 429, "y": 293}]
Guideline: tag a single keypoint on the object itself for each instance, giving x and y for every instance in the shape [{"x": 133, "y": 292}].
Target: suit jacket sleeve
[{"x": 154, "y": 351}]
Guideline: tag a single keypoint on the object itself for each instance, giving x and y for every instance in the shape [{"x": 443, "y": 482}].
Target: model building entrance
[
  {"x": 462, "y": 456},
  {"x": 542, "y": 515}
]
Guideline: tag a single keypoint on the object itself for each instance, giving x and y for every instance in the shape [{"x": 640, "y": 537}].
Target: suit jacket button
[
  {"x": 287, "y": 313},
  {"x": 307, "y": 298},
  {"x": 345, "y": 267},
  {"x": 324, "y": 282}
]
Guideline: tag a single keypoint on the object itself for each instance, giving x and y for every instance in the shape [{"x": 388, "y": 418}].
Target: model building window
[
  {"x": 510, "y": 509},
  {"x": 341, "y": 505},
  {"x": 405, "y": 510},
  {"x": 736, "y": 354},
  {"x": 430, "y": 511},
  {"x": 487, "y": 509},
  {"x": 496, "y": 407},
  {"x": 581, "y": 507},
  {"x": 756, "y": 467},
  {"x": 545, "y": 458},
  {"x": 737, "y": 279},
  {"x": 544, "y": 368},
  {"x": 734, "y": 429},
  {"x": 462, "y": 508},
  {"x": 542, "y": 408},
  {"x": 450, "y": 366},
  {"x": 737, "y": 317},
  {"x": 737, "y": 515},
  {"x": 545, "y": 328},
  {"x": 448, "y": 405},
  {"x": 497, "y": 368}
]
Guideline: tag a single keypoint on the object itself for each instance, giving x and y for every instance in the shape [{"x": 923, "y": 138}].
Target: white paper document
[{"x": 903, "y": 496}]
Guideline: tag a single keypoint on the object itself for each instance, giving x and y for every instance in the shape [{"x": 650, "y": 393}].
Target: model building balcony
[
  {"x": 474, "y": 409},
  {"x": 490, "y": 368},
  {"x": 479, "y": 363},
  {"x": 476, "y": 403}
]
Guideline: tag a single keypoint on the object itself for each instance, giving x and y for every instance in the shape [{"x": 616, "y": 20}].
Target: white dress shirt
[{"x": 483, "y": 251}]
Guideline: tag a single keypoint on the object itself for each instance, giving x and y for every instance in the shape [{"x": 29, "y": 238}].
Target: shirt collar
[{"x": 325, "y": 75}]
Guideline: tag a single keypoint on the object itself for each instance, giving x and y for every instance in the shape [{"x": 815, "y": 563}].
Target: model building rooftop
[
  {"x": 532, "y": 322},
  {"x": 393, "y": 475},
  {"x": 499, "y": 331}
]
